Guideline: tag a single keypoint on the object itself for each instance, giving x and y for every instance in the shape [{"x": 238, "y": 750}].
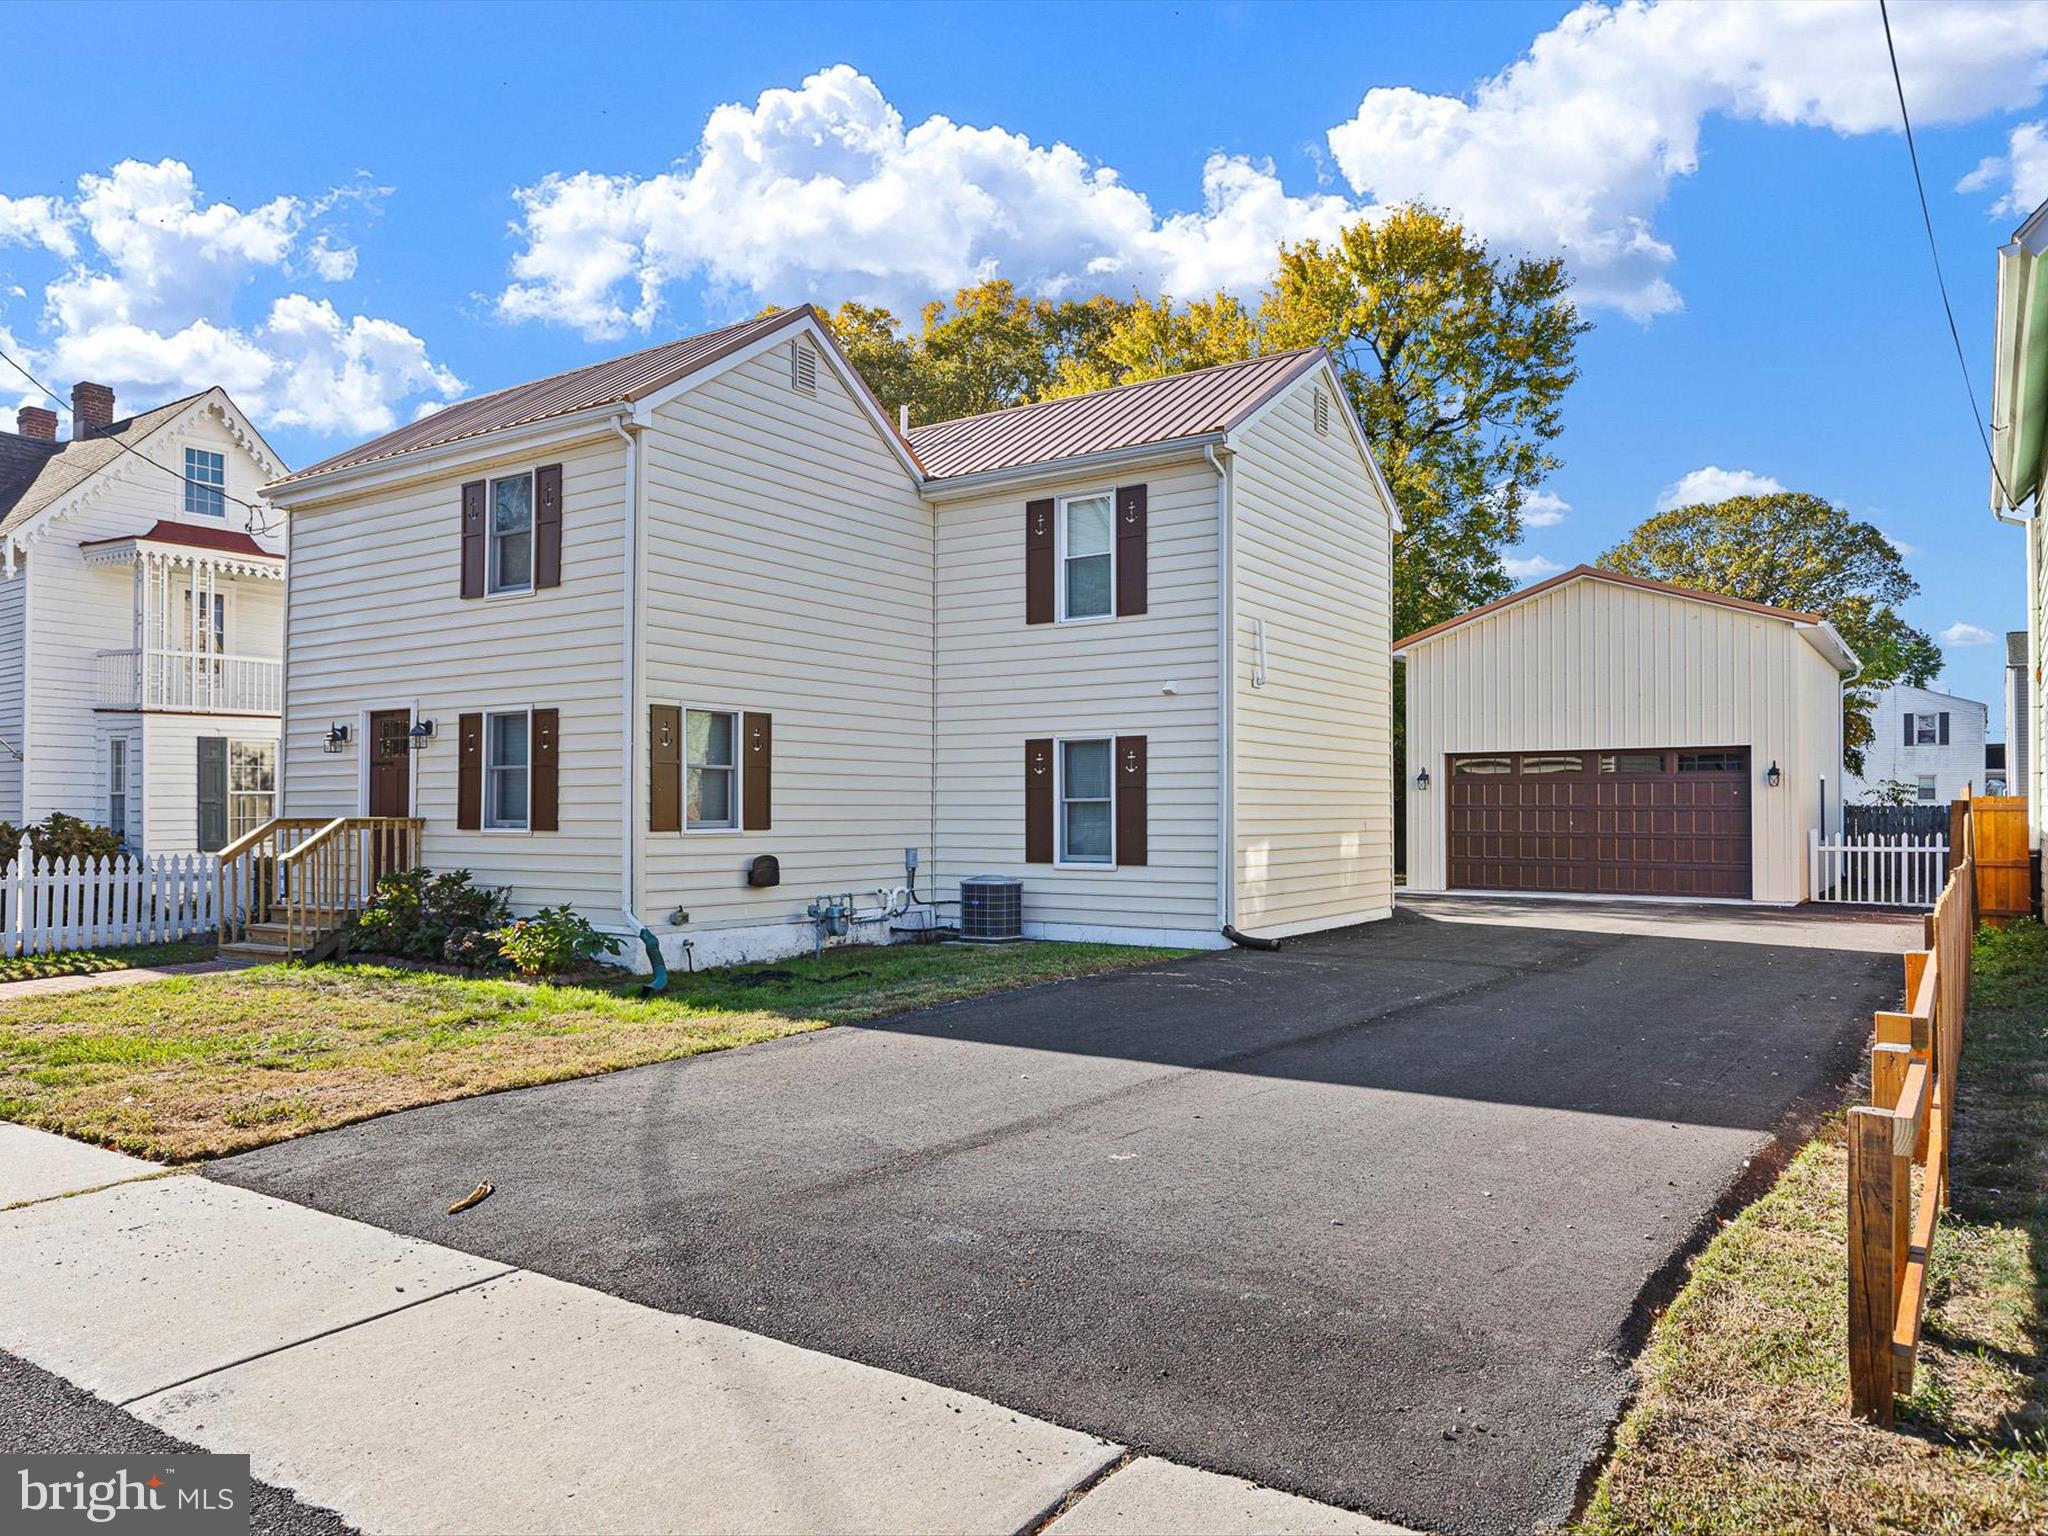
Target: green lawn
[
  {"x": 200, "y": 1066},
  {"x": 88, "y": 962},
  {"x": 1741, "y": 1425}
]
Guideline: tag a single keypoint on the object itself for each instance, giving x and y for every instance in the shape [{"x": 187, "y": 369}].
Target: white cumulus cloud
[
  {"x": 1712, "y": 483},
  {"x": 155, "y": 299},
  {"x": 1543, "y": 509},
  {"x": 1962, "y": 633},
  {"x": 824, "y": 191},
  {"x": 1529, "y": 567},
  {"x": 2020, "y": 174}
]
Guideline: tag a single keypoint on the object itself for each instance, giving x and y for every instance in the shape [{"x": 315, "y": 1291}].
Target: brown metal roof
[
  {"x": 1129, "y": 416},
  {"x": 192, "y": 536},
  {"x": 618, "y": 381},
  {"x": 1619, "y": 579}
]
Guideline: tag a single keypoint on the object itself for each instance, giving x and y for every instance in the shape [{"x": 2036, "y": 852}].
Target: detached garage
[{"x": 1604, "y": 735}]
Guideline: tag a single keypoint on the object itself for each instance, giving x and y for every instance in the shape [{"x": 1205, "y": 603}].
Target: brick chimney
[
  {"x": 34, "y": 421},
  {"x": 92, "y": 407}
]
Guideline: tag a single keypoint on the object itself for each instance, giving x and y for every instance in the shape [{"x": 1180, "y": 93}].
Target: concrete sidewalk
[{"x": 407, "y": 1386}]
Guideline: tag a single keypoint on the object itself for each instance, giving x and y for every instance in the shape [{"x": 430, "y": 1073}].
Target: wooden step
[{"x": 246, "y": 950}]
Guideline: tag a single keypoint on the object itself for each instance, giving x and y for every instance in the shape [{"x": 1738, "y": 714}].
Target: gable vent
[
  {"x": 803, "y": 368},
  {"x": 1322, "y": 409}
]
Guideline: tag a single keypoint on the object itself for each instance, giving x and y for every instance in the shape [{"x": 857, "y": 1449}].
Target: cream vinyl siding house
[
  {"x": 1536, "y": 721},
  {"x": 143, "y": 617},
  {"x": 795, "y": 660}
]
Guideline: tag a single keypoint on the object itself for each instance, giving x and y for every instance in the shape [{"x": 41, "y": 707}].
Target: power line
[
  {"x": 262, "y": 524},
  {"x": 1934, "y": 250}
]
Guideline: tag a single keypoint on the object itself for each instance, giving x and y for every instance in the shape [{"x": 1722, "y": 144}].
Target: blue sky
[{"x": 348, "y": 213}]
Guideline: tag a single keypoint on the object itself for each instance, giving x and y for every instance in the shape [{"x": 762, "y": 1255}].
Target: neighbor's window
[
  {"x": 507, "y": 768},
  {"x": 206, "y": 478},
  {"x": 1926, "y": 789},
  {"x": 252, "y": 785},
  {"x": 1087, "y": 833},
  {"x": 1087, "y": 558},
  {"x": 209, "y": 636},
  {"x": 708, "y": 795},
  {"x": 117, "y": 786},
  {"x": 511, "y": 549},
  {"x": 1926, "y": 730}
]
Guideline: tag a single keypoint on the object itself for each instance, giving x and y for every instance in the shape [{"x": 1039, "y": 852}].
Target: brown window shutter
[
  {"x": 473, "y": 515},
  {"x": 469, "y": 773},
  {"x": 1038, "y": 843},
  {"x": 547, "y": 526},
  {"x": 1039, "y": 606},
  {"x": 1130, "y": 800},
  {"x": 546, "y": 799},
  {"x": 664, "y": 768},
  {"x": 757, "y": 772},
  {"x": 1130, "y": 550}
]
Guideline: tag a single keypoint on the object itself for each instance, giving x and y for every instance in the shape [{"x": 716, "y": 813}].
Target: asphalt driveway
[{"x": 1372, "y": 1219}]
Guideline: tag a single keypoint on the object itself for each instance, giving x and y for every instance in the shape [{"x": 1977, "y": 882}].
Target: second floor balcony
[{"x": 195, "y": 682}]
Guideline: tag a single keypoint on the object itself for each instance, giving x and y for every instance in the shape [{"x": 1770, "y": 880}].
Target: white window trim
[
  {"x": 1059, "y": 804},
  {"x": 1933, "y": 719},
  {"x": 276, "y": 775},
  {"x": 1927, "y": 781},
  {"x": 187, "y": 483},
  {"x": 119, "y": 789},
  {"x": 531, "y": 474},
  {"x": 739, "y": 812},
  {"x": 525, "y": 829},
  {"x": 1059, "y": 560}
]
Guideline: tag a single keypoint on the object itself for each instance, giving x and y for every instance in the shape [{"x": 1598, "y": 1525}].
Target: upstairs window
[
  {"x": 510, "y": 557},
  {"x": 709, "y": 798},
  {"x": 1926, "y": 730},
  {"x": 206, "y": 478},
  {"x": 1087, "y": 557}
]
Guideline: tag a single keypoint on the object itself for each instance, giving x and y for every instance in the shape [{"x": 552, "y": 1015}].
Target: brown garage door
[{"x": 1606, "y": 823}]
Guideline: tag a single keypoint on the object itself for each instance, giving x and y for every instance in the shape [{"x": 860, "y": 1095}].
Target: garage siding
[{"x": 1591, "y": 665}]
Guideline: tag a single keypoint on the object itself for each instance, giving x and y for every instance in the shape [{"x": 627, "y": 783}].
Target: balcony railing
[{"x": 191, "y": 681}]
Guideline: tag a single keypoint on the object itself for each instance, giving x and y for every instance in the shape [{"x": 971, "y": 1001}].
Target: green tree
[
  {"x": 991, "y": 347},
  {"x": 1792, "y": 550},
  {"x": 1153, "y": 338}
]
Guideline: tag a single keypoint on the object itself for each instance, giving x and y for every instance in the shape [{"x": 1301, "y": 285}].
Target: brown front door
[
  {"x": 1671, "y": 822},
  {"x": 390, "y": 776}
]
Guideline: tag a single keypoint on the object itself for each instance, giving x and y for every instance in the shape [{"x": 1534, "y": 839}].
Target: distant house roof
[
  {"x": 1619, "y": 579},
  {"x": 231, "y": 541},
  {"x": 617, "y": 381},
  {"x": 1129, "y": 416},
  {"x": 34, "y": 473}
]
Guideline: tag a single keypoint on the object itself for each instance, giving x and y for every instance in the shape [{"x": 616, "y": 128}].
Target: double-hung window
[
  {"x": 508, "y": 770},
  {"x": 206, "y": 479},
  {"x": 710, "y": 791},
  {"x": 252, "y": 785},
  {"x": 1087, "y": 557},
  {"x": 509, "y": 559},
  {"x": 1926, "y": 730},
  {"x": 1087, "y": 816},
  {"x": 117, "y": 786},
  {"x": 1925, "y": 790}
]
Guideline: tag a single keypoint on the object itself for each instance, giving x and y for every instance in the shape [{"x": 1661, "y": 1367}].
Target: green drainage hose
[{"x": 657, "y": 983}]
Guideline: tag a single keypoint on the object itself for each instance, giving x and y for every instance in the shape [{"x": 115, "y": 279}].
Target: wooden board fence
[
  {"x": 1907, "y": 1124},
  {"x": 2004, "y": 868},
  {"x": 49, "y": 905}
]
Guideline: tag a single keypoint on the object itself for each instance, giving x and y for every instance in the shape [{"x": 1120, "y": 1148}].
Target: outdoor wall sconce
[
  {"x": 421, "y": 733},
  {"x": 337, "y": 738},
  {"x": 1422, "y": 778},
  {"x": 1771, "y": 775}
]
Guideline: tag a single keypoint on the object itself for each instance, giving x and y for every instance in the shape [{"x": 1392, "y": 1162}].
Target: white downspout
[
  {"x": 629, "y": 690},
  {"x": 1226, "y": 700}
]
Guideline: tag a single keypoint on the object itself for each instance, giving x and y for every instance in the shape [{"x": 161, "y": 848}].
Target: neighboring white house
[
  {"x": 1931, "y": 743},
  {"x": 697, "y": 639},
  {"x": 1600, "y": 734},
  {"x": 141, "y": 621}
]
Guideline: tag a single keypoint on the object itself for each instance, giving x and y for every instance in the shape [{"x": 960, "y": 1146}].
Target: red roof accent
[
  {"x": 1619, "y": 579},
  {"x": 231, "y": 541}
]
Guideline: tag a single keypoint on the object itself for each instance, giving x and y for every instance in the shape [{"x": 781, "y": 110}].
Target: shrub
[
  {"x": 425, "y": 916},
  {"x": 58, "y": 836},
  {"x": 552, "y": 941}
]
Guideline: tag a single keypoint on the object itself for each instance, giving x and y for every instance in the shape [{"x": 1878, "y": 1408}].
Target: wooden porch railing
[
  {"x": 1908, "y": 1123},
  {"x": 309, "y": 875}
]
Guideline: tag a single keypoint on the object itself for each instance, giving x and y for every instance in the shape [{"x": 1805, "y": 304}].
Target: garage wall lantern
[
  {"x": 1422, "y": 778},
  {"x": 1771, "y": 775}
]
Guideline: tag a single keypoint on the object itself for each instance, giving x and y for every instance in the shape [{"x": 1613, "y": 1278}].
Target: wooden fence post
[{"x": 1874, "y": 1201}]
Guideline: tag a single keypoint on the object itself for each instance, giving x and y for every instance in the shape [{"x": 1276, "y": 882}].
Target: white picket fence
[
  {"x": 47, "y": 905},
  {"x": 1877, "y": 871}
]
